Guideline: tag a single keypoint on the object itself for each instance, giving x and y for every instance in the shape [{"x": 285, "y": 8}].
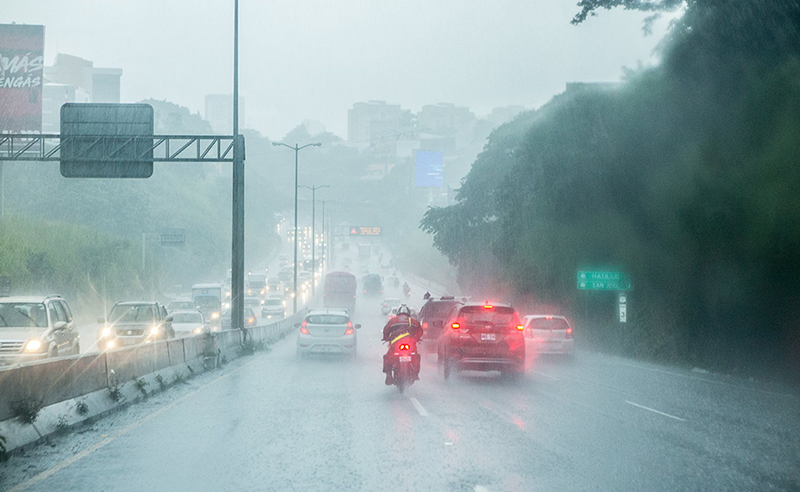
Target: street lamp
[
  {"x": 297, "y": 150},
  {"x": 313, "y": 234}
]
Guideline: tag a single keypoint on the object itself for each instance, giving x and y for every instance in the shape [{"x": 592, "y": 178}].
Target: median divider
[{"x": 59, "y": 393}]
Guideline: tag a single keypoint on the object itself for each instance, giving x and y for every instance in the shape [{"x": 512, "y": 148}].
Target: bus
[{"x": 340, "y": 291}]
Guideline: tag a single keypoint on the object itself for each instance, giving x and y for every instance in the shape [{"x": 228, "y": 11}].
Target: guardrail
[{"x": 56, "y": 380}]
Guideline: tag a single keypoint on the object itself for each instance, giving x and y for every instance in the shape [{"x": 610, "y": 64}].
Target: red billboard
[{"x": 21, "y": 77}]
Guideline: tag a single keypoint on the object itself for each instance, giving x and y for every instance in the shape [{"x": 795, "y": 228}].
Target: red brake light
[
  {"x": 455, "y": 326},
  {"x": 488, "y": 306},
  {"x": 569, "y": 333},
  {"x": 304, "y": 330},
  {"x": 348, "y": 331},
  {"x": 404, "y": 346},
  {"x": 424, "y": 325},
  {"x": 520, "y": 327},
  {"x": 304, "y": 323}
]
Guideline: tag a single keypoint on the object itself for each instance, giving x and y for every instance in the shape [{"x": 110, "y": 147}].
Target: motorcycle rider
[
  {"x": 406, "y": 289},
  {"x": 393, "y": 329}
]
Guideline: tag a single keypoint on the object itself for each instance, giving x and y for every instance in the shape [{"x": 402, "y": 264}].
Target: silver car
[
  {"x": 327, "y": 331},
  {"x": 33, "y": 328}
]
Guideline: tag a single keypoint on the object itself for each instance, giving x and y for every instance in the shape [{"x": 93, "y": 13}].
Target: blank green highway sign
[{"x": 591, "y": 280}]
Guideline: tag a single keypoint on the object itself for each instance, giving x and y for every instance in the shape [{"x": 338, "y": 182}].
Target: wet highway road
[{"x": 273, "y": 422}]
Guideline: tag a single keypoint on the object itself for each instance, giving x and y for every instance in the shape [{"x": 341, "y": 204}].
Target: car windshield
[
  {"x": 273, "y": 302},
  {"x": 181, "y": 305},
  {"x": 207, "y": 302},
  {"x": 132, "y": 313},
  {"x": 548, "y": 324},
  {"x": 22, "y": 314},
  {"x": 187, "y": 318},
  {"x": 481, "y": 315},
  {"x": 327, "y": 319}
]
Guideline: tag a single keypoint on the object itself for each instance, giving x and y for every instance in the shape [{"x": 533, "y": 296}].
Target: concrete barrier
[{"x": 57, "y": 383}]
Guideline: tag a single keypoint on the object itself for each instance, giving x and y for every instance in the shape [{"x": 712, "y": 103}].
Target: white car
[
  {"x": 273, "y": 307},
  {"x": 548, "y": 334},
  {"x": 33, "y": 328},
  {"x": 181, "y": 305},
  {"x": 188, "y": 322},
  {"x": 388, "y": 304},
  {"x": 327, "y": 331}
]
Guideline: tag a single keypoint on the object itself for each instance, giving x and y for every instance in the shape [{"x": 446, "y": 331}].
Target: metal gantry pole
[
  {"x": 294, "y": 288},
  {"x": 237, "y": 240}
]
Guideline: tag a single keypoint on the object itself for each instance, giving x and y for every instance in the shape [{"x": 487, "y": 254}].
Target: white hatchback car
[
  {"x": 548, "y": 334},
  {"x": 327, "y": 331},
  {"x": 188, "y": 322}
]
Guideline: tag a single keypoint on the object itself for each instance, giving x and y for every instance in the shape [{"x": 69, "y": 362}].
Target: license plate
[
  {"x": 405, "y": 358},
  {"x": 129, "y": 341},
  {"x": 488, "y": 337}
]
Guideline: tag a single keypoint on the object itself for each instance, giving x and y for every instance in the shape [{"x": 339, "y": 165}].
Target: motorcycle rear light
[
  {"x": 348, "y": 331},
  {"x": 455, "y": 326},
  {"x": 425, "y": 325},
  {"x": 520, "y": 327},
  {"x": 404, "y": 346}
]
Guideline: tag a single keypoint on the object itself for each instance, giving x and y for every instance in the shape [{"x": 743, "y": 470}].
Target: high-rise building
[{"x": 365, "y": 117}]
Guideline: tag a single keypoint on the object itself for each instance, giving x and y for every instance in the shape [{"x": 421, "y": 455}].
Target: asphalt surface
[{"x": 273, "y": 422}]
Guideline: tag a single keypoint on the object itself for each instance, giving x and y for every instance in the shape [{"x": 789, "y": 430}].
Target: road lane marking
[
  {"x": 86, "y": 452},
  {"x": 654, "y": 410},
  {"x": 419, "y": 407}
]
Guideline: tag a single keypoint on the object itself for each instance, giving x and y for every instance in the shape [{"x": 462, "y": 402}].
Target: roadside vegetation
[{"x": 685, "y": 177}]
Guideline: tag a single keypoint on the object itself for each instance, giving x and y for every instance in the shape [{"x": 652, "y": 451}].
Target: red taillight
[
  {"x": 304, "y": 330},
  {"x": 404, "y": 346},
  {"x": 349, "y": 324},
  {"x": 424, "y": 325},
  {"x": 304, "y": 323},
  {"x": 348, "y": 331},
  {"x": 455, "y": 326},
  {"x": 520, "y": 327},
  {"x": 488, "y": 306},
  {"x": 569, "y": 333}
]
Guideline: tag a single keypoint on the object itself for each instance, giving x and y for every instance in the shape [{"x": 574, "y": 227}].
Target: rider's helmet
[{"x": 403, "y": 309}]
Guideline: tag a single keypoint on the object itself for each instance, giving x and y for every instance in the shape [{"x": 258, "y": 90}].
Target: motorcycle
[
  {"x": 407, "y": 291},
  {"x": 405, "y": 368}
]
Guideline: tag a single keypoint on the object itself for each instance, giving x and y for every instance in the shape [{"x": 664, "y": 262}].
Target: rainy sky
[{"x": 311, "y": 59}]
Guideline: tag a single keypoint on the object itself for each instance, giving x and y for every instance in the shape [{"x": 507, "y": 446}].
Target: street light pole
[
  {"x": 237, "y": 219},
  {"x": 297, "y": 150},
  {"x": 313, "y": 234}
]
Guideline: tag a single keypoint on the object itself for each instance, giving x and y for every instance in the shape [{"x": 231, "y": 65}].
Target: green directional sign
[{"x": 599, "y": 280}]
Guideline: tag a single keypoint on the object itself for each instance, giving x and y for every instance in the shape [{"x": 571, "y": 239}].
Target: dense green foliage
[
  {"x": 87, "y": 267},
  {"x": 685, "y": 177}
]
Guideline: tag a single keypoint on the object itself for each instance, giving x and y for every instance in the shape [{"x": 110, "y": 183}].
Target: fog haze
[{"x": 313, "y": 59}]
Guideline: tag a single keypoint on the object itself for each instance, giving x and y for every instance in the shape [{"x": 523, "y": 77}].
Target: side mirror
[
  {"x": 102, "y": 321},
  {"x": 169, "y": 319},
  {"x": 358, "y": 326},
  {"x": 297, "y": 325},
  {"x": 60, "y": 325},
  {"x": 438, "y": 323}
]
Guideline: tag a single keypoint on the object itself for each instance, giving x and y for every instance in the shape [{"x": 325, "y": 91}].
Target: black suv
[
  {"x": 372, "y": 284},
  {"x": 432, "y": 316}
]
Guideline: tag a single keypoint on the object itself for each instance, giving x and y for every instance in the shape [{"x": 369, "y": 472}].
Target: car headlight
[
  {"x": 199, "y": 329},
  {"x": 106, "y": 332},
  {"x": 154, "y": 330},
  {"x": 110, "y": 344},
  {"x": 33, "y": 345},
  {"x": 215, "y": 315}
]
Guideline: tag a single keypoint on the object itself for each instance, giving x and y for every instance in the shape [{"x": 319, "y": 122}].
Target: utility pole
[
  {"x": 313, "y": 234},
  {"x": 237, "y": 242},
  {"x": 297, "y": 148}
]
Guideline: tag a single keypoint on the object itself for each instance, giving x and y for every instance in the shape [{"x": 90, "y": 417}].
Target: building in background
[
  {"x": 373, "y": 122},
  {"x": 75, "y": 79},
  {"x": 219, "y": 112}
]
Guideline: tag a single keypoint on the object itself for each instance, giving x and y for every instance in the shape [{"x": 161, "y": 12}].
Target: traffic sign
[
  {"x": 603, "y": 280},
  {"x": 172, "y": 237},
  {"x": 106, "y": 140},
  {"x": 623, "y": 313}
]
